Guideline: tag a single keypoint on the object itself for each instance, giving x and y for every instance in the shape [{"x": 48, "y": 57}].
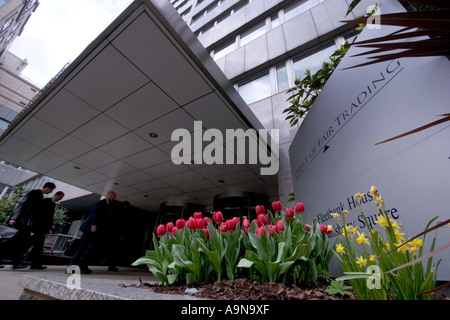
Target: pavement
[{"x": 11, "y": 290}]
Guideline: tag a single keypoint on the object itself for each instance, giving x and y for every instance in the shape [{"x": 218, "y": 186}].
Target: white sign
[{"x": 334, "y": 154}]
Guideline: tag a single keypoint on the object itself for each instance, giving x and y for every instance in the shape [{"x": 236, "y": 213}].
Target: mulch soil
[{"x": 245, "y": 289}]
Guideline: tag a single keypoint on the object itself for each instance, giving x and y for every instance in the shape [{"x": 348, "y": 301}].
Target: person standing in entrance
[
  {"x": 22, "y": 220},
  {"x": 91, "y": 228},
  {"x": 42, "y": 224}
]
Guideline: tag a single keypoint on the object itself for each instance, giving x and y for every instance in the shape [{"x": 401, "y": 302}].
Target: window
[
  {"x": 275, "y": 20},
  {"x": 298, "y": 8},
  {"x": 312, "y": 62},
  {"x": 253, "y": 33},
  {"x": 224, "y": 49},
  {"x": 256, "y": 89},
  {"x": 282, "y": 77},
  {"x": 3, "y": 124},
  {"x": 7, "y": 24}
]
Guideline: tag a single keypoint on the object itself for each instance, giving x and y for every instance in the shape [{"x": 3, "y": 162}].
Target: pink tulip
[
  {"x": 280, "y": 225},
  {"x": 246, "y": 223},
  {"x": 263, "y": 220},
  {"x": 299, "y": 207},
  {"x": 169, "y": 227},
  {"x": 260, "y": 230},
  {"x": 197, "y": 215},
  {"x": 218, "y": 217},
  {"x": 161, "y": 230},
  {"x": 276, "y": 206},
  {"x": 289, "y": 213},
  {"x": 260, "y": 210},
  {"x": 180, "y": 223}
]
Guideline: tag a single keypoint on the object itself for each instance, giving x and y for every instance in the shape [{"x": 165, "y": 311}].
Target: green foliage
[
  {"x": 60, "y": 217},
  {"x": 8, "y": 202},
  {"x": 338, "y": 287},
  {"x": 306, "y": 90}
]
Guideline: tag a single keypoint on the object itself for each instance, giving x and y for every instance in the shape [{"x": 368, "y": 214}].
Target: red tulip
[
  {"x": 307, "y": 228},
  {"x": 190, "y": 223},
  {"x": 272, "y": 229},
  {"x": 276, "y": 206},
  {"x": 224, "y": 227},
  {"x": 299, "y": 207},
  {"x": 197, "y": 215},
  {"x": 174, "y": 231},
  {"x": 289, "y": 213},
  {"x": 263, "y": 220},
  {"x": 260, "y": 230},
  {"x": 231, "y": 224},
  {"x": 161, "y": 230},
  {"x": 323, "y": 228},
  {"x": 280, "y": 225},
  {"x": 169, "y": 226},
  {"x": 246, "y": 223},
  {"x": 180, "y": 223},
  {"x": 206, "y": 220},
  {"x": 206, "y": 233},
  {"x": 218, "y": 217},
  {"x": 260, "y": 210},
  {"x": 199, "y": 224}
]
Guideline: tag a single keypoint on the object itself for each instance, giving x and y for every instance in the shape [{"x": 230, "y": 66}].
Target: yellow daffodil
[
  {"x": 345, "y": 212},
  {"x": 399, "y": 235},
  {"x": 335, "y": 215},
  {"x": 353, "y": 230},
  {"x": 372, "y": 257},
  {"x": 361, "y": 261},
  {"x": 414, "y": 250},
  {"x": 394, "y": 224},
  {"x": 416, "y": 243},
  {"x": 362, "y": 238},
  {"x": 345, "y": 230},
  {"x": 358, "y": 197},
  {"x": 373, "y": 190},
  {"x": 382, "y": 221},
  {"x": 340, "y": 248},
  {"x": 329, "y": 229},
  {"x": 403, "y": 248}
]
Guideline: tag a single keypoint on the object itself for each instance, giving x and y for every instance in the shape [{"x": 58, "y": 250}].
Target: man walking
[
  {"x": 22, "y": 220},
  {"x": 42, "y": 224},
  {"x": 91, "y": 228}
]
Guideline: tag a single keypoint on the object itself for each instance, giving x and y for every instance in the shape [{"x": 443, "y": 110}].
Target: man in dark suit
[
  {"x": 91, "y": 229},
  {"x": 22, "y": 220},
  {"x": 42, "y": 224}
]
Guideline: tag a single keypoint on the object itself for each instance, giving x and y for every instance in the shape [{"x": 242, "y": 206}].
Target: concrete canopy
[{"x": 146, "y": 73}]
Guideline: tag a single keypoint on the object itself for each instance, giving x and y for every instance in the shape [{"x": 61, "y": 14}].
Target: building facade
[{"x": 263, "y": 45}]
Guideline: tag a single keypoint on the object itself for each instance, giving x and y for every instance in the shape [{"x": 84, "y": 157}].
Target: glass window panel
[
  {"x": 298, "y": 8},
  {"x": 224, "y": 49},
  {"x": 282, "y": 77},
  {"x": 275, "y": 21},
  {"x": 256, "y": 89},
  {"x": 253, "y": 33},
  {"x": 312, "y": 62}
]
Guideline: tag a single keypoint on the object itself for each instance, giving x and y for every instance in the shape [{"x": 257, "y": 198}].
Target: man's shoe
[
  {"x": 20, "y": 266},
  {"x": 113, "y": 269},
  {"x": 41, "y": 267}
]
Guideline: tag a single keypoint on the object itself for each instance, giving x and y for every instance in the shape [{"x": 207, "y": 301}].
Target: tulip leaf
[{"x": 245, "y": 263}]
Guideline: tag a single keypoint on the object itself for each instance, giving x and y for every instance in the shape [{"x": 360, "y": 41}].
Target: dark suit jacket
[
  {"x": 96, "y": 217},
  {"x": 43, "y": 219},
  {"x": 27, "y": 208}
]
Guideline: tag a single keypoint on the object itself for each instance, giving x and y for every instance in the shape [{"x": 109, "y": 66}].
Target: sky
[{"x": 58, "y": 32}]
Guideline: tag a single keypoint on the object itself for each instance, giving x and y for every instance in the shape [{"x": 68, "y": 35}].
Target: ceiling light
[
  {"x": 153, "y": 135},
  {"x": 76, "y": 167},
  {"x": 221, "y": 181}
]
